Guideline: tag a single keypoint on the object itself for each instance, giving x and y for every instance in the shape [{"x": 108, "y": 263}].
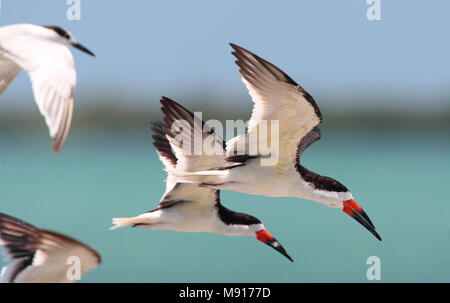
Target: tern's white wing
[
  {"x": 51, "y": 69},
  {"x": 276, "y": 97},
  {"x": 8, "y": 71},
  {"x": 53, "y": 86},
  {"x": 41, "y": 256}
]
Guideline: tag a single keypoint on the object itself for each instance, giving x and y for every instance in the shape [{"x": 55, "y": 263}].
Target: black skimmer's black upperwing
[
  {"x": 278, "y": 97},
  {"x": 162, "y": 145},
  {"x": 268, "y": 86},
  {"x": 174, "y": 112},
  {"x": 318, "y": 181},
  {"x": 172, "y": 155},
  {"x": 254, "y": 69},
  {"x": 38, "y": 255}
]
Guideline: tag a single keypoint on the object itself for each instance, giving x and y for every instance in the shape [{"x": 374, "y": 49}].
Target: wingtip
[
  {"x": 235, "y": 46},
  {"x": 61, "y": 136},
  {"x": 157, "y": 127},
  {"x": 239, "y": 50},
  {"x": 58, "y": 142},
  {"x": 56, "y": 148},
  {"x": 165, "y": 100},
  {"x": 167, "y": 103}
]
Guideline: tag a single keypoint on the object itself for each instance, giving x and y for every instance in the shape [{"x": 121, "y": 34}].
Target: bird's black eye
[{"x": 59, "y": 31}]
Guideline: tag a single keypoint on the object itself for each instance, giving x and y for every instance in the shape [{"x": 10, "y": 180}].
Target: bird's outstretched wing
[
  {"x": 8, "y": 71},
  {"x": 53, "y": 86},
  {"x": 51, "y": 69},
  {"x": 194, "y": 143},
  {"x": 163, "y": 147},
  {"x": 167, "y": 138},
  {"x": 276, "y": 97},
  {"x": 40, "y": 256}
]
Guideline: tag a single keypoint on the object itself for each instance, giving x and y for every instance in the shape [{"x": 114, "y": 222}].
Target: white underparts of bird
[
  {"x": 188, "y": 207},
  {"x": 278, "y": 98},
  {"x": 41, "y": 256},
  {"x": 43, "y": 51}
]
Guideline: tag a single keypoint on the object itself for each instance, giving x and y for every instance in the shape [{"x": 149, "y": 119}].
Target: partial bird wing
[
  {"x": 166, "y": 141},
  {"x": 276, "y": 97},
  {"x": 313, "y": 136},
  {"x": 51, "y": 69},
  {"x": 40, "y": 256},
  {"x": 195, "y": 145},
  {"x": 8, "y": 71},
  {"x": 163, "y": 147},
  {"x": 53, "y": 86}
]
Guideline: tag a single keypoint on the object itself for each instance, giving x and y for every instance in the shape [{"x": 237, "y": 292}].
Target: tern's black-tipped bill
[{"x": 83, "y": 49}]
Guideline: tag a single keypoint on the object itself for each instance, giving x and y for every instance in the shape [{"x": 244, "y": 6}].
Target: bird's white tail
[{"x": 122, "y": 222}]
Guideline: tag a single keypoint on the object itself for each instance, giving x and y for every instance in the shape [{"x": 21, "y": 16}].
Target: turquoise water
[{"x": 400, "y": 177}]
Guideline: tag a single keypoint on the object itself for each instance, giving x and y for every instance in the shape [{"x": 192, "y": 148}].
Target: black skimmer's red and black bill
[
  {"x": 278, "y": 98},
  {"x": 188, "y": 207},
  {"x": 41, "y": 256},
  {"x": 43, "y": 51}
]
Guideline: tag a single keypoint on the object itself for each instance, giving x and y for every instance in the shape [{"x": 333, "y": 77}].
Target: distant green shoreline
[{"x": 133, "y": 118}]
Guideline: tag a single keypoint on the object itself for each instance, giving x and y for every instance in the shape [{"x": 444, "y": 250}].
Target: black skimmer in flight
[
  {"x": 43, "y": 51},
  {"x": 40, "y": 256},
  {"x": 276, "y": 97},
  {"x": 188, "y": 207}
]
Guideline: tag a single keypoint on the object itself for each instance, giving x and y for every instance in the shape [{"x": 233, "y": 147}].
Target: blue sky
[{"x": 151, "y": 48}]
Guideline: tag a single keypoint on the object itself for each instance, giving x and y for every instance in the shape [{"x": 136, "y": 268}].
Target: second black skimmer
[
  {"x": 189, "y": 207},
  {"x": 278, "y": 98},
  {"x": 41, "y": 256}
]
